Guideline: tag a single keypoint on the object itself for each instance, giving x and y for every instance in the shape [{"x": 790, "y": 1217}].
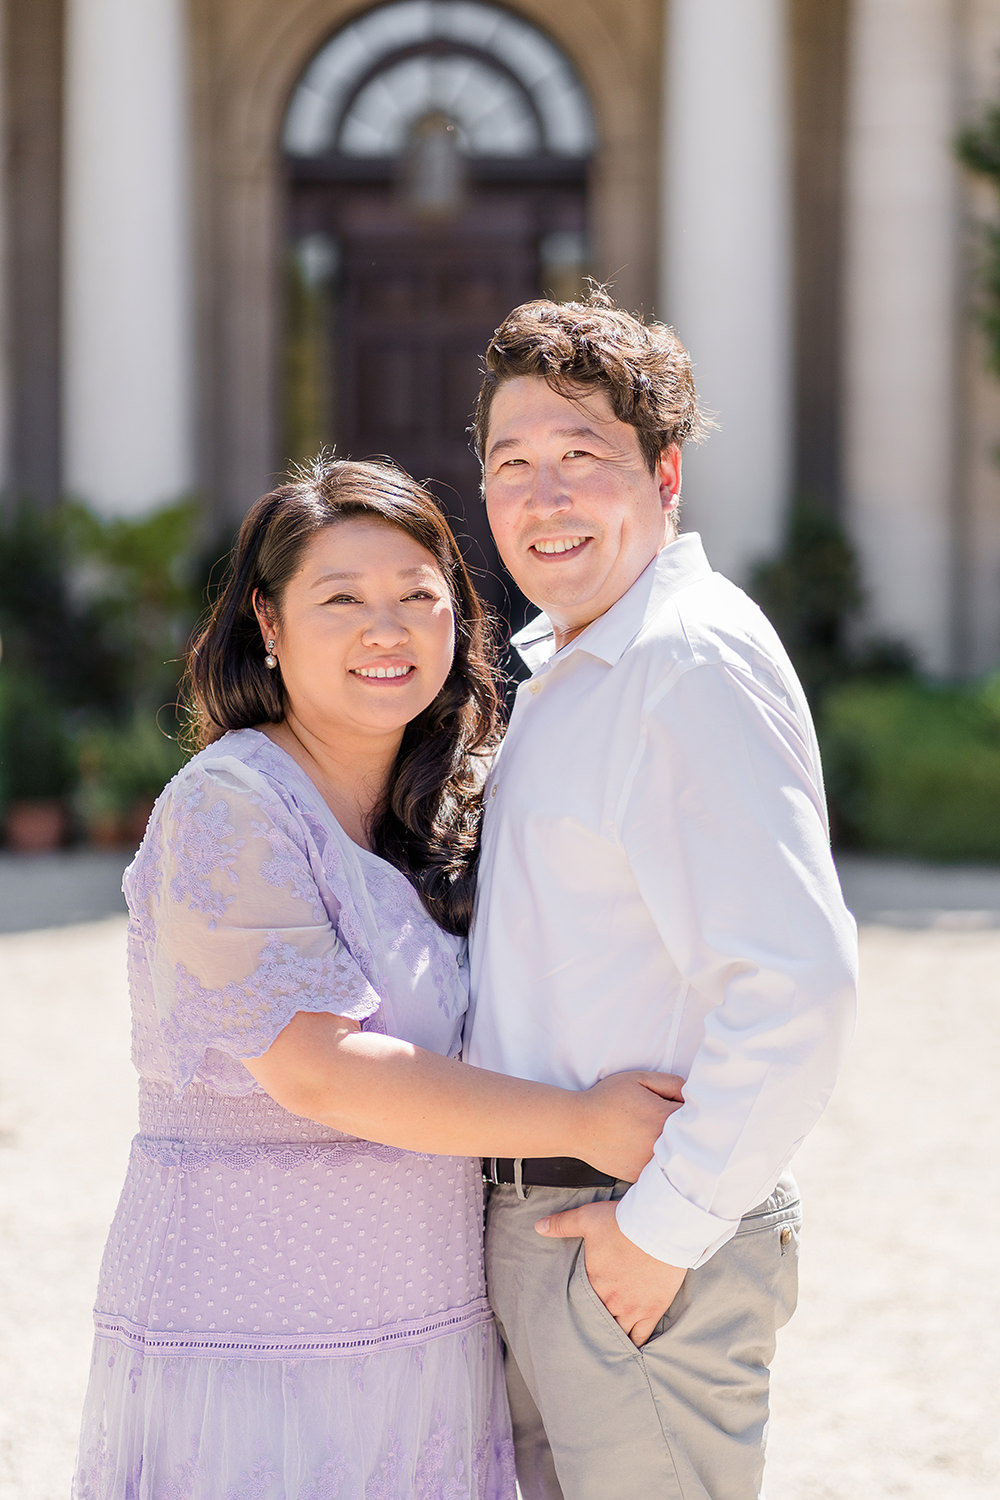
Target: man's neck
[{"x": 566, "y": 632}]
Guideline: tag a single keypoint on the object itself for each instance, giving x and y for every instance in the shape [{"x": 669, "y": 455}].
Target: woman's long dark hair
[{"x": 428, "y": 821}]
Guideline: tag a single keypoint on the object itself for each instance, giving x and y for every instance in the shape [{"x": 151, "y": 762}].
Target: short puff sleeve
[{"x": 231, "y": 936}]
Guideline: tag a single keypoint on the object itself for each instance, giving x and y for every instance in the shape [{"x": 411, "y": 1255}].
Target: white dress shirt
[{"x": 657, "y": 891}]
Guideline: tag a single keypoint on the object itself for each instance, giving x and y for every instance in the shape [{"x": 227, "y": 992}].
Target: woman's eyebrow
[{"x": 347, "y": 577}]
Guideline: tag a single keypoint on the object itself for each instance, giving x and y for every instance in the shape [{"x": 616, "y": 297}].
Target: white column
[
  {"x": 4, "y": 344},
  {"x": 900, "y": 315},
  {"x": 726, "y": 263},
  {"x": 127, "y": 283}
]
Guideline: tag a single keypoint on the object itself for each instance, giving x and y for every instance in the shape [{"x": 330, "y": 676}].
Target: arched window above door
[{"x": 505, "y": 87}]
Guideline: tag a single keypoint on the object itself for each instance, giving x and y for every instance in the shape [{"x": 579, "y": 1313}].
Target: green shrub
[
  {"x": 914, "y": 769},
  {"x": 37, "y": 759},
  {"x": 124, "y": 764}
]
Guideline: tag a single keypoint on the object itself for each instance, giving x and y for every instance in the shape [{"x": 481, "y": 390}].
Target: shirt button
[{"x": 493, "y": 790}]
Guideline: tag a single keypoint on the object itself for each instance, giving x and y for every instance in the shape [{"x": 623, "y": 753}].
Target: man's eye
[{"x": 579, "y": 453}]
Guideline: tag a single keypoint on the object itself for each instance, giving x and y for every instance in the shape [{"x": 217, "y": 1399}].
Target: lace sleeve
[{"x": 237, "y": 936}]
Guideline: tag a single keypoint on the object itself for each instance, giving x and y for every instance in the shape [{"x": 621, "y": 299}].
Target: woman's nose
[{"x": 385, "y": 627}]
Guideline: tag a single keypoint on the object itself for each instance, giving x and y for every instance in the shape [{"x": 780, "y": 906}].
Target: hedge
[{"x": 913, "y": 768}]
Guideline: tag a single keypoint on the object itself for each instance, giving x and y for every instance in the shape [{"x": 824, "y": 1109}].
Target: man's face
[{"x": 574, "y": 510}]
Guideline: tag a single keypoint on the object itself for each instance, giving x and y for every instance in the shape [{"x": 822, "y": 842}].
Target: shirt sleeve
[
  {"x": 237, "y": 936},
  {"x": 727, "y": 778}
]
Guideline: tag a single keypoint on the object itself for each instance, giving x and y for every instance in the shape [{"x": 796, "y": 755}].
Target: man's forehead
[{"x": 567, "y": 411}]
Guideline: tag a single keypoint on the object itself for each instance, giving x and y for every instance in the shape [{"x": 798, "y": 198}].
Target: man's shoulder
[{"x": 711, "y": 621}]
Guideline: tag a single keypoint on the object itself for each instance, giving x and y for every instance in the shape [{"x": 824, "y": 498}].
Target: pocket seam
[{"x": 606, "y": 1316}]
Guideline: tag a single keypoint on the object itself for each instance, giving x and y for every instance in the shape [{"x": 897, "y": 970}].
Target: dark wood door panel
[{"x": 416, "y": 305}]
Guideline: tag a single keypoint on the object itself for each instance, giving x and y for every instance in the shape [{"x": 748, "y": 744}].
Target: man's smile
[{"x": 559, "y": 546}]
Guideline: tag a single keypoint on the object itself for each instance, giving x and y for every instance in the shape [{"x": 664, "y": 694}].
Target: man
[{"x": 656, "y": 891}]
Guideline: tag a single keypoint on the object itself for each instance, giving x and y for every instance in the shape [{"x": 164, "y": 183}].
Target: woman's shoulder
[{"x": 243, "y": 763}]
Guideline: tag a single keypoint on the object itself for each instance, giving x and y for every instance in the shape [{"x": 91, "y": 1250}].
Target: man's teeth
[
  {"x": 382, "y": 671},
  {"x": 565, "y": 544}
]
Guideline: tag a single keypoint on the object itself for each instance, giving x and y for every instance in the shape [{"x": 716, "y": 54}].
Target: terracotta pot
[
  {"x": 105, "y": 831},
  {"x": 135, "y": 820},
  {"x": 36, "y": 826}
]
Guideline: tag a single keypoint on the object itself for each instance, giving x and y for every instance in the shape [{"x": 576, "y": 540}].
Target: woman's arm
[{"x": 325, "y": 1068}]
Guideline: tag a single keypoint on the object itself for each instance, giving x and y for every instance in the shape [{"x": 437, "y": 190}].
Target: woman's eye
[
  {"x": 342, "y": 599},
  {"x": 420, "y": 594}
]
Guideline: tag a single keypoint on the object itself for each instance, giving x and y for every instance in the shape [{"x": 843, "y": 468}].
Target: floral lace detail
[
  {"x": 288, "y": 1156},
  {"x": 349, "y": 923},
  {"x": 440, "y": 1475},
  {"x": 203, "y": 845},
  {"x": 243, "y": 1017},
  {"x": 328, "y": 1484},
  {"x": 285, "y": 869},
  {"x": 255, "y": 1484},
  {"x": 396, "y": 895},
  {"x": 493, "y": 1467},
  {"x": 384, "y": 1483}
]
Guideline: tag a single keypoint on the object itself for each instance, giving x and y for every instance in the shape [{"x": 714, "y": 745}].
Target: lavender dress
[{"x": 284, "y": 1312}]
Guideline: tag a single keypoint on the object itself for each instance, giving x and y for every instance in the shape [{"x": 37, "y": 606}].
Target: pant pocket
[{"x": 597, "y": 1324}]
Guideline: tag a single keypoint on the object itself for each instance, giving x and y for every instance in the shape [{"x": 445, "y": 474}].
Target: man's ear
[{"x": 668, "y": 473}]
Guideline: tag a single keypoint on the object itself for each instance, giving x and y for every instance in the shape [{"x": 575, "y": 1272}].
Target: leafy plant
[
  {"x": 137, "y": 576},
  {"x": 46, "y": 629},
  {"x": 125, "y": 764},
  {"x": 37, "y": 759},
  {"x": 809, "y": 593},
  {"x": 914, "y": 768}
]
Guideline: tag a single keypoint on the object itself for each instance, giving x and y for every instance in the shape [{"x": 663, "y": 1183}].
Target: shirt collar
[{"x": 681, "y": 562}]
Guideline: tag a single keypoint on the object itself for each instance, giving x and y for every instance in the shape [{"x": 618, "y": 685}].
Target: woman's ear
[{"x": 264, "y": 615}]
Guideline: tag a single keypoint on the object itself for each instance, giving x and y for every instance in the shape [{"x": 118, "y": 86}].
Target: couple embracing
[{"x": 636, "y": 890}]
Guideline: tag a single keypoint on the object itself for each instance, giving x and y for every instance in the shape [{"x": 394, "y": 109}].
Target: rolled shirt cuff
[{"x": 654, "y": 1216}]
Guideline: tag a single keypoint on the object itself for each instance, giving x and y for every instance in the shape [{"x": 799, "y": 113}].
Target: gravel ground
[{"x": 881, "y": 1387}]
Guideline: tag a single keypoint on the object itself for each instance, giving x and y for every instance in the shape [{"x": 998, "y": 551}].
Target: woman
[{"x": 291, "y": 1302}]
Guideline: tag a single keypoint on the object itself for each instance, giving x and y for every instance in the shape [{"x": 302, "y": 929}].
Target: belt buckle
[{"x": 490, "y": 1170}]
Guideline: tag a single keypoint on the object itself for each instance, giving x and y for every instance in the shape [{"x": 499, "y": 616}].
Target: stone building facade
[{"x": 233, "y": 228}]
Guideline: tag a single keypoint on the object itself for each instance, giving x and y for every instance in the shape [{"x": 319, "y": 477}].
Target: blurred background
[{"x": 234, "y": 231}]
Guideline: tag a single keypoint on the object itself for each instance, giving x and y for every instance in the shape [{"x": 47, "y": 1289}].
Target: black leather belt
[{"x": 545, "y": 1171}]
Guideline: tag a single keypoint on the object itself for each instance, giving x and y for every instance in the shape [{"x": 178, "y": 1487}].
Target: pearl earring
[{"x": 270, "y": 660}]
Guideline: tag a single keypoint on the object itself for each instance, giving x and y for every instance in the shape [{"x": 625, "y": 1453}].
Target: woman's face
[{"x": 366, "y": 631}]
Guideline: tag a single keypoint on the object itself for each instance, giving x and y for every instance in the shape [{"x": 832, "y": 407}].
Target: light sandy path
[{"x": 885, "y": 1384}]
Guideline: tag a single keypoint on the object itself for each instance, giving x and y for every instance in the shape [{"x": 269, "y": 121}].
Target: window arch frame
[{"x": 444, "y": 45}]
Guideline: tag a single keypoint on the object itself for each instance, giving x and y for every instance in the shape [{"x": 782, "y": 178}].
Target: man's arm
[{"x": 724, "y": 828}]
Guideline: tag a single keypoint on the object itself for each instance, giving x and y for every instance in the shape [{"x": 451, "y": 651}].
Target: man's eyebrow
[
  {"x": 579, "y": 432},
  {"x": 503, "y": 444}
]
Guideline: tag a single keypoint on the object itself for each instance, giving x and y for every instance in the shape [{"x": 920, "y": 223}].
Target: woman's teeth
[{"x": 382, "y": 671}]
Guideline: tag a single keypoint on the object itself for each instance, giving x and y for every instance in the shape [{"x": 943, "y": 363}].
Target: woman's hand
[{"x": 625, "y": 1114}]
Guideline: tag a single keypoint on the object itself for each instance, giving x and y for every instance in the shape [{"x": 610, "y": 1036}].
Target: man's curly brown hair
[{"x": 594, "y": 345}]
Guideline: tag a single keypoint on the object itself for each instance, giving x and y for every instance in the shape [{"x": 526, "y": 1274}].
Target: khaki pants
[{"x": 682, "y": 1418}]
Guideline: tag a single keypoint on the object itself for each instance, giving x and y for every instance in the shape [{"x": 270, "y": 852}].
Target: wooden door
[{"x": 419, "y": 305}]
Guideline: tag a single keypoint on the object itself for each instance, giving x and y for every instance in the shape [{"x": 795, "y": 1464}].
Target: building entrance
[{"x": 436, "y": 164}]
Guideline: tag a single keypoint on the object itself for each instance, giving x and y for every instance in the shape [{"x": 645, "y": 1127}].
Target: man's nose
[{"x": 548, "y": 493}]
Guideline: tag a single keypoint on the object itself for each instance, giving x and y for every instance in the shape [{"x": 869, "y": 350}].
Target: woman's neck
[{"x": 350, "y": 776}]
